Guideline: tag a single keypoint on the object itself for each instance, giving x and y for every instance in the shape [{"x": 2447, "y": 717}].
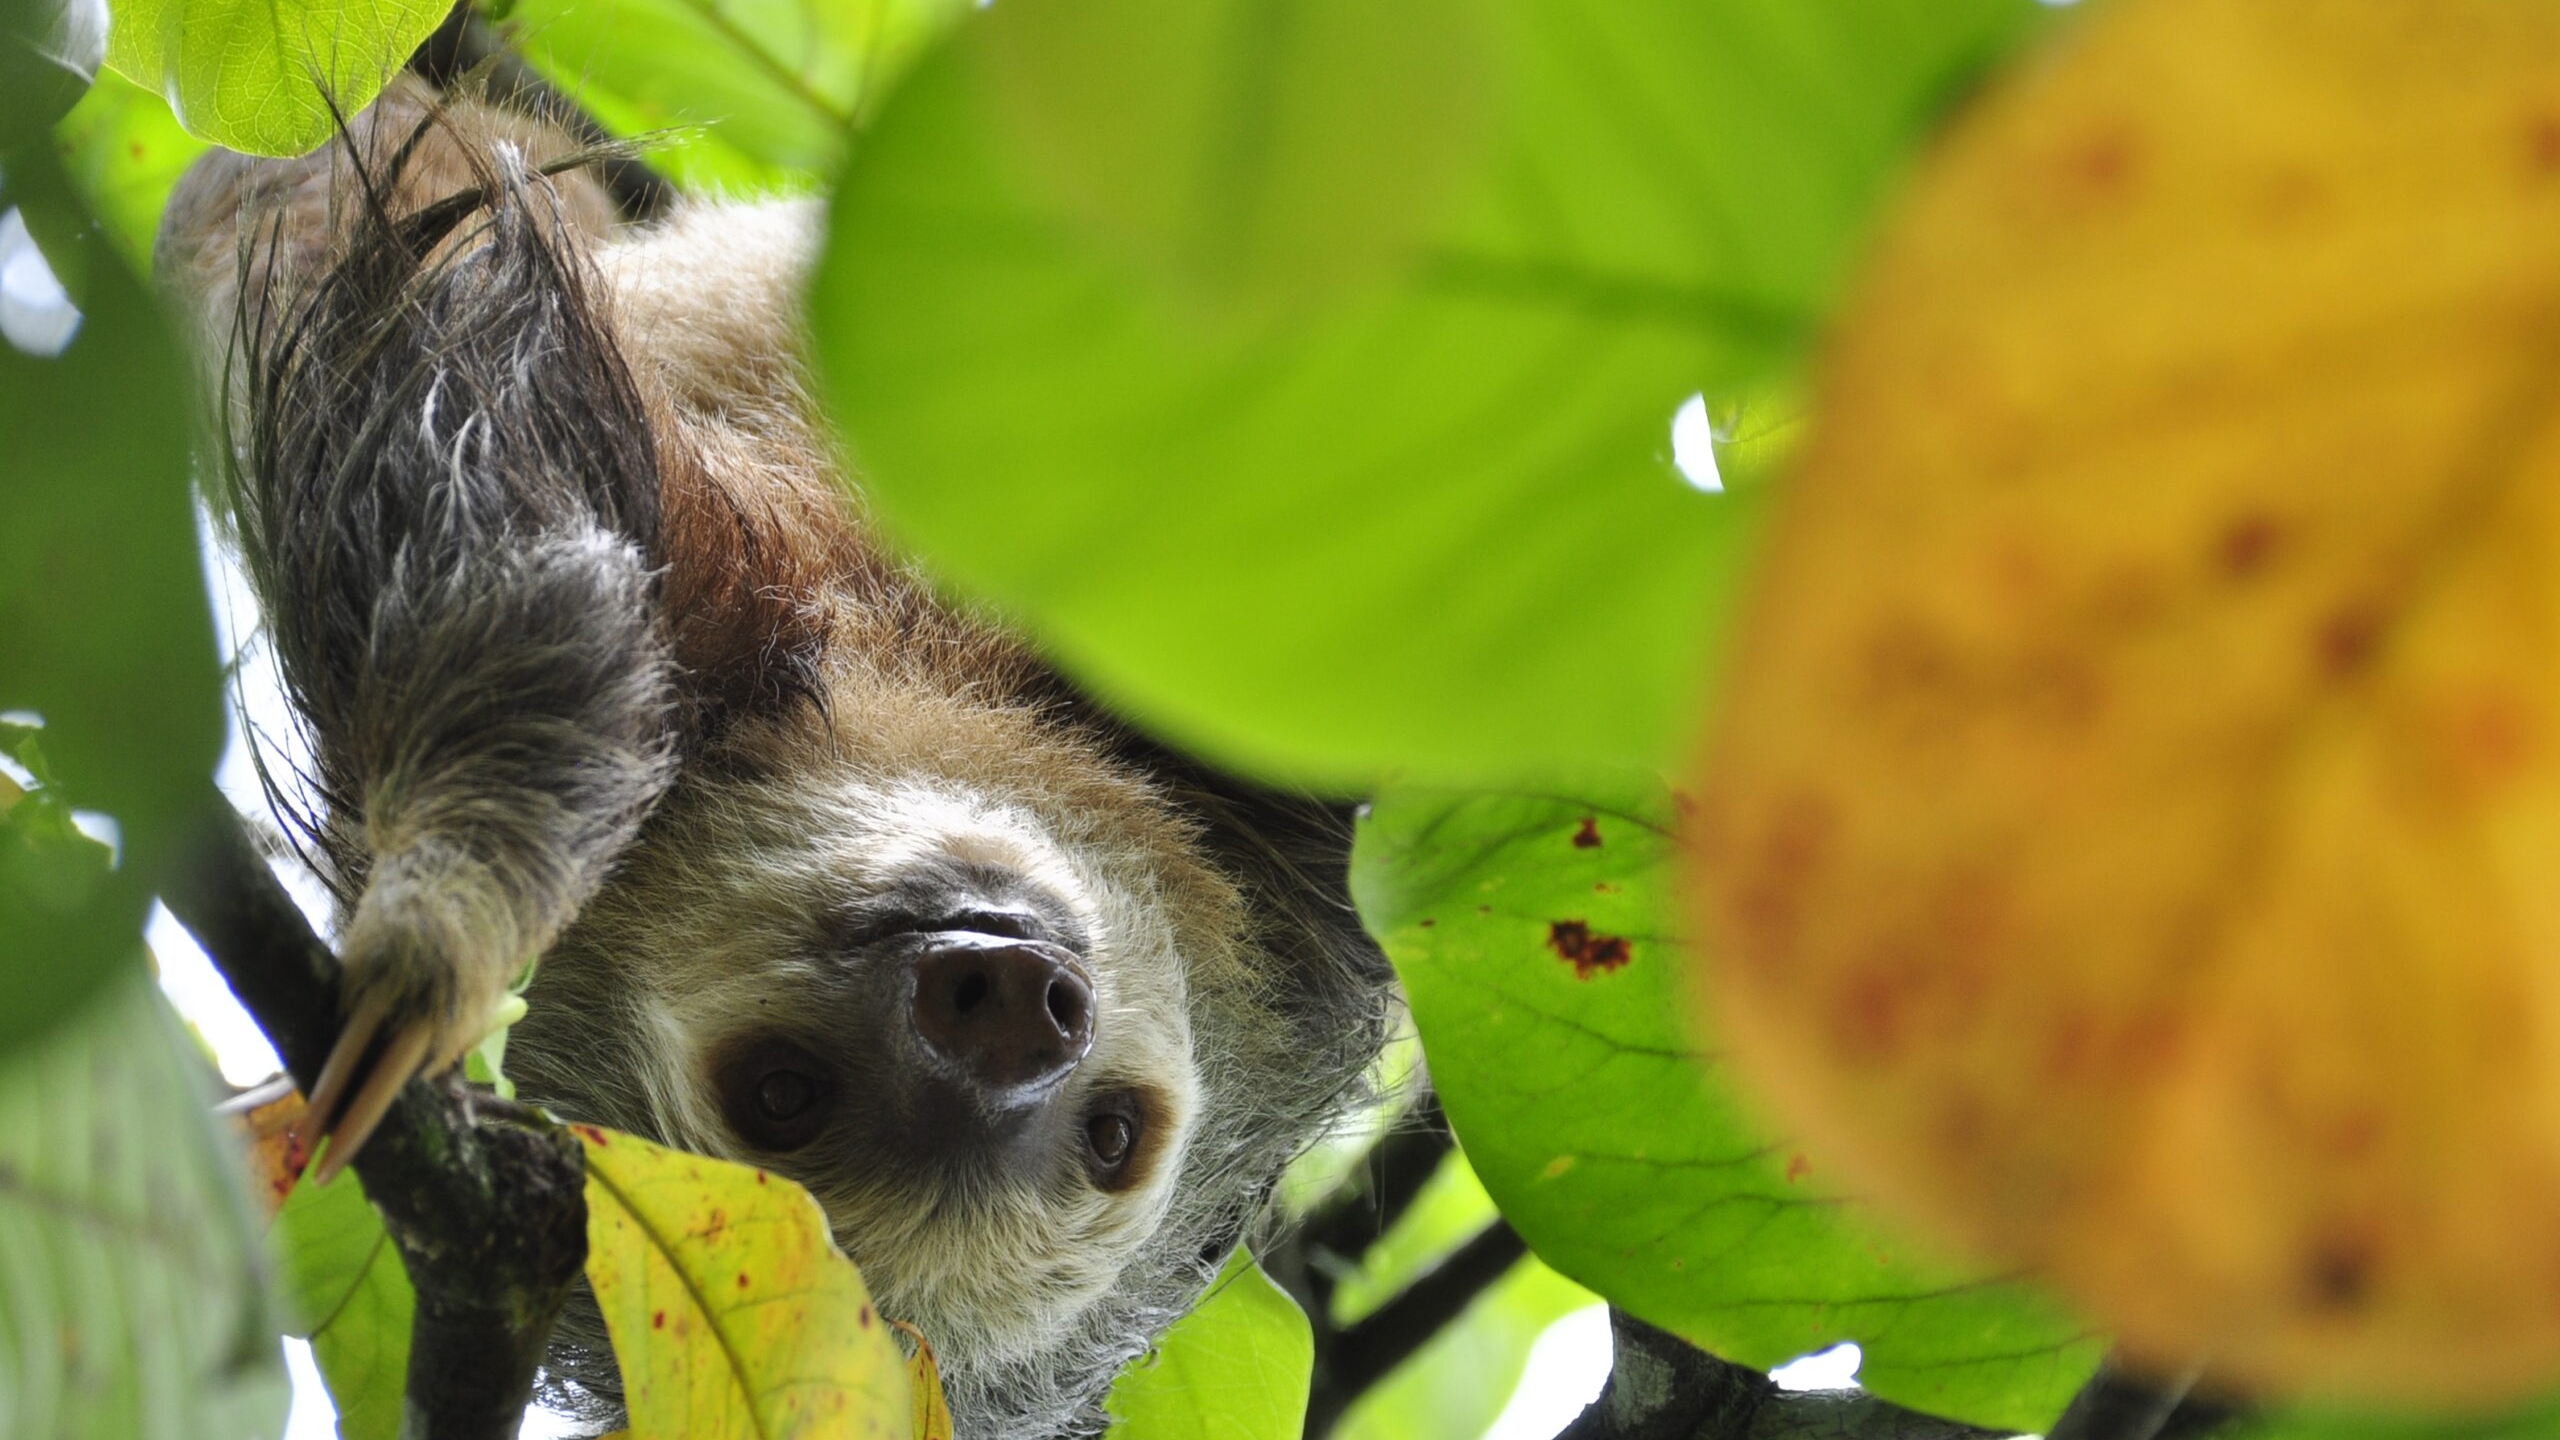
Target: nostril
[
  {"x": 1070, "y": 1004},
  {"x": 971, "y": 992}
]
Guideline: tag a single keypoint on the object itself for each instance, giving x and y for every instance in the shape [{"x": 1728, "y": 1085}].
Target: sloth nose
[{"x": 1011, "y": 1016}]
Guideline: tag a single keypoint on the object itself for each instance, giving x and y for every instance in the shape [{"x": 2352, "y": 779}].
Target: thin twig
[{"x": 1361, "y": 1355}]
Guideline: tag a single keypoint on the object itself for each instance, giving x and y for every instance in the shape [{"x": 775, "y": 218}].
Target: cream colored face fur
[{"x": 720, "y": 919}]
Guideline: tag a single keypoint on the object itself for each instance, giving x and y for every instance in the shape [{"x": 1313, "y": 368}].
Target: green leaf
[
  {"x": 131, "y": 1303},
  {"x": 346, "y": 1291},
  {"x": 1235, "y": 1368},
  {"x": 103, "y": 624},
  {"x": 1534, "y": 937},
  {"x": 125, "y": 151},
  {"x": 758, "y": 93},
  {"x": 731, "y": 1310},
  {"x": 1360, "y": 328},
  {"x": 261, "y": 76}
]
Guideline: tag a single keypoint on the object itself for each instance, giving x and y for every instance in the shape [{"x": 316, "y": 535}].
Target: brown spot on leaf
[
  {"x": 593, "y": 1136},
  {"x": 1798, "y": 1167},
  {"x": 658, "y": 1320},
  {"x": 1873, "y": 1010},
  {"x": 2542, "y": 142},
  {"x": 1426, "y": 922},
  {"x": 2104, "y": 161},
  {"x": 2338, "y": 1274},
  {"x": 2491, "y": 734},
  {"x": 1592, "y": 955},
  {"x": 2247, "y": 546},
  {"x": 1587, "y": 837},
  {"x": 1904, "y": 659},
  {"x": 863, "y": 1317},
  {"x": 2346, "y": 639},
  {"x": 742, "y": 1279}
]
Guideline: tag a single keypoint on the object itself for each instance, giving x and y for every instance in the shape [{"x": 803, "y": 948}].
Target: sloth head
[{"x": 1037, "y": 1025}]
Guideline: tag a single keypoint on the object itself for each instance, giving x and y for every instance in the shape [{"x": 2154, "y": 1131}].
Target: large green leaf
[
  {"x": 1235, "y": 1368},
  {"x": 103, "y": 625},
  {"x": 1360, "y": 329},
  {"x": 755, "y": 93},
  {"x": 262, "y": 75},
  {"x": 1532, "y": 934},
  {"x": 131, "y": 1304},
  {"x": 346, "y": 1291}
]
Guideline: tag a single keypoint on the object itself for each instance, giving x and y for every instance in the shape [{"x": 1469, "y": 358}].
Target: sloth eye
[
  {"x": 774, "y": 1094},
  {"x": 783, "y": 1094},
  {"x": 1111, "y": 1136}
]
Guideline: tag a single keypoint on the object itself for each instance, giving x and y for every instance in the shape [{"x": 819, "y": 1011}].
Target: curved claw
[
  {"x": 344, "y": 1060},
  {"x": 401, "y": 1059}
]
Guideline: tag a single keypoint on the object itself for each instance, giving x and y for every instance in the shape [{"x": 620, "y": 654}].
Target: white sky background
[{"x": 1568, "y": 1363}]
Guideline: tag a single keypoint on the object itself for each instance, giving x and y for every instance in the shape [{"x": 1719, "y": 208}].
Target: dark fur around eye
[
  {"x": 775, "y": 1093},
  {"x": 1122, "y": 1137}
]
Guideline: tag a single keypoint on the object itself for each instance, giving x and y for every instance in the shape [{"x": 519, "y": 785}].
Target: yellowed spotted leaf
[
  {"x": 924, "y": 1377},
  {"x": 732, "y": 1313},
  {"x": 2133, "y": 826}
]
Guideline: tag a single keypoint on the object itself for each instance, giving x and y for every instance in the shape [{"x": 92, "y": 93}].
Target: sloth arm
[{"x": 443, "y": 482}]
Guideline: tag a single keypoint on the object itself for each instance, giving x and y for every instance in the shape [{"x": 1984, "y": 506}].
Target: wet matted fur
[{"x": 598, "y": 661}]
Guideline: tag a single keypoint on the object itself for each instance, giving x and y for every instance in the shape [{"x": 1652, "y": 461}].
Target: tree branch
[
  {"x": 1663, "y": 1388},
  {"x": 1359, "y": 1356},
  {"x": 2121, "y": 1403},
  {"x": 486, "y": 1203}
]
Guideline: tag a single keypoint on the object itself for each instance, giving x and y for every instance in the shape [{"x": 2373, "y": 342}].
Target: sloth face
[
  {"x": 977, "y": 1050},
  {"x": 960, "y": 973}
]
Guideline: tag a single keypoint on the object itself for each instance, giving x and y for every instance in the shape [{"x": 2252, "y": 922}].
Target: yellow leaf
[
  {"x": 732, "y": 1312},
  {"x": 2132, "y": 831},
  {"x": 924, "y": 1378}
]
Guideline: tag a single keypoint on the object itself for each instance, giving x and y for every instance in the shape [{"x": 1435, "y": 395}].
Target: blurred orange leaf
[{"x": 2130, "y": 834}]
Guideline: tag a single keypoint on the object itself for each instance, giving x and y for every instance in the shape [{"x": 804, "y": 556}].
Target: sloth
[{"x": 827, "y": 872}]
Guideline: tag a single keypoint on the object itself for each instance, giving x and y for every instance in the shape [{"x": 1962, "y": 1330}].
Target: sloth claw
[
  {"x": 352, "y": 1097},
  {"x": 344, "y": 1060},
  {"x": 401, "y": 1060}
]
